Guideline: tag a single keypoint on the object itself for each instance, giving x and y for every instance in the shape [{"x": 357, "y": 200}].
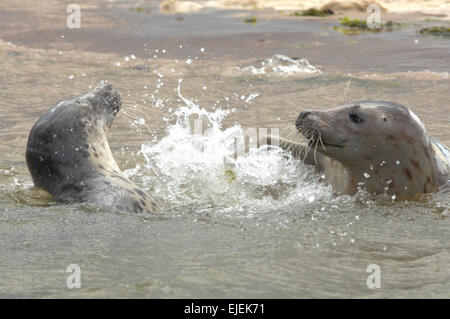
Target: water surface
[{"x": 263, "y": 226}]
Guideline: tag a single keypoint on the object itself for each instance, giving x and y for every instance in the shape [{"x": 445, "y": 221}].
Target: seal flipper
[{"x": 68, "y": 153}]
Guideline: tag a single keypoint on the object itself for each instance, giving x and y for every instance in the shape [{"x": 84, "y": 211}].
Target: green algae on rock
[
  {"x": 356, "y": 26},
  {"x": 140, "y": 9},
  {"x": 313, "y": 12},
  {"x": 436, "y": 31},
  {"x": 251, "y": 20},
  {"x": 353, "y": 23}
]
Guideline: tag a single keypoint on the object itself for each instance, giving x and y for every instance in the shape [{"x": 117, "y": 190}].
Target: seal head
[
  {"x": 382, "y": 146},
  {"x": 68, "y": 154}
]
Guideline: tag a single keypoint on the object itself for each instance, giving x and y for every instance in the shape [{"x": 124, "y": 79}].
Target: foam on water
[
  {"x": 281, "y": 64},
  {"x": 186, "y": 168}
]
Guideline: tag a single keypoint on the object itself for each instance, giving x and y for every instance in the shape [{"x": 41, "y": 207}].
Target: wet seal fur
[
  {"x": 379, "y": 146},
  {"x": 68, "y": 154}
]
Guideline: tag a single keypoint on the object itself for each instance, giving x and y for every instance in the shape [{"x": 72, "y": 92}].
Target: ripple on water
[{"x": 260, "y": 225}]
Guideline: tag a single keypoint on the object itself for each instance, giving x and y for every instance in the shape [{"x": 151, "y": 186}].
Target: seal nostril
[
  {"x": 300, "y": 118},
  {"x": 303, "y": 115}
]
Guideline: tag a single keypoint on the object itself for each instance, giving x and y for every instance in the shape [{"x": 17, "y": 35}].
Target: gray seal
[
  {"x": 68, "y": 154},
  {"x": 379, "y": 146}
]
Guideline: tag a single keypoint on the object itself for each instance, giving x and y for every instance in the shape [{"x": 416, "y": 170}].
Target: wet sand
[
  {"x": 112, "y": 30},
  {"x": 111, "y": 27}
]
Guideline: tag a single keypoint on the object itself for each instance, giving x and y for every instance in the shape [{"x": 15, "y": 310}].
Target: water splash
[
  {"x": 188, "y": 168},
  {"x": 284, "y": 65}
]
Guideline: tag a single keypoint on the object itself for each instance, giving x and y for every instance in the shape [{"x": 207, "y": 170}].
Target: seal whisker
[
  {"x": 315, "y": 150},
  {"x": 134, "y": 117},
  {"x": 288, "y": 129},
  {"x": 289, "y": 132},
  {"x": 346, "y": 90},
  {"x": 320, "y": 139},
  {"x": 308, "y": 148}
]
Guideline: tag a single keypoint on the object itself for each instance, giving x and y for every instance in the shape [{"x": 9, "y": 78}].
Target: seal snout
[
  {"x": 304, "y": 117},
  {"x": 315, "y": 129},
  {"x": 304, "y": 114},
  {"x": 108, "y": 95},
  {"x": 305, "y": 125}
]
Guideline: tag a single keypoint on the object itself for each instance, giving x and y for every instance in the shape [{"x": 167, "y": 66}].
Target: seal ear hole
[
  {"x": 385, "y": 118},
  {"x": 355, "y": 118}
]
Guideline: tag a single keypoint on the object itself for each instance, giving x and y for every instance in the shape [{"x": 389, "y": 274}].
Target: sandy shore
[
  {"x": 118, "y": 27},
  {"x": 438, "y": 7}
]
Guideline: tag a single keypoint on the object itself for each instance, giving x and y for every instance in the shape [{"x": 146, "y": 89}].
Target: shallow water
[{"x": 260, "y": 226}]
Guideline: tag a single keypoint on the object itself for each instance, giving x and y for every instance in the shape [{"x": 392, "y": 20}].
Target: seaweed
[
  {"x": 353, "y": 23},
  {"x": 313, "y": 13},
  {"x": 230, "y": 174},
  {"x": 140, "y": 9},
  {"x": 251, "y": 20},
  {"x": 436, "y": 31},
  {"x": 355, "y": 26}
]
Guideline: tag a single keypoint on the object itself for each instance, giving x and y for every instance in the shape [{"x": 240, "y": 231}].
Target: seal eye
[{"x": 355, "y": 118}]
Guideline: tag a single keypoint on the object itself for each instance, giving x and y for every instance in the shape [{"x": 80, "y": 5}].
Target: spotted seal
[
  {"x": 68, "y": 154},
  {"x": 380, "y": 146}
]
